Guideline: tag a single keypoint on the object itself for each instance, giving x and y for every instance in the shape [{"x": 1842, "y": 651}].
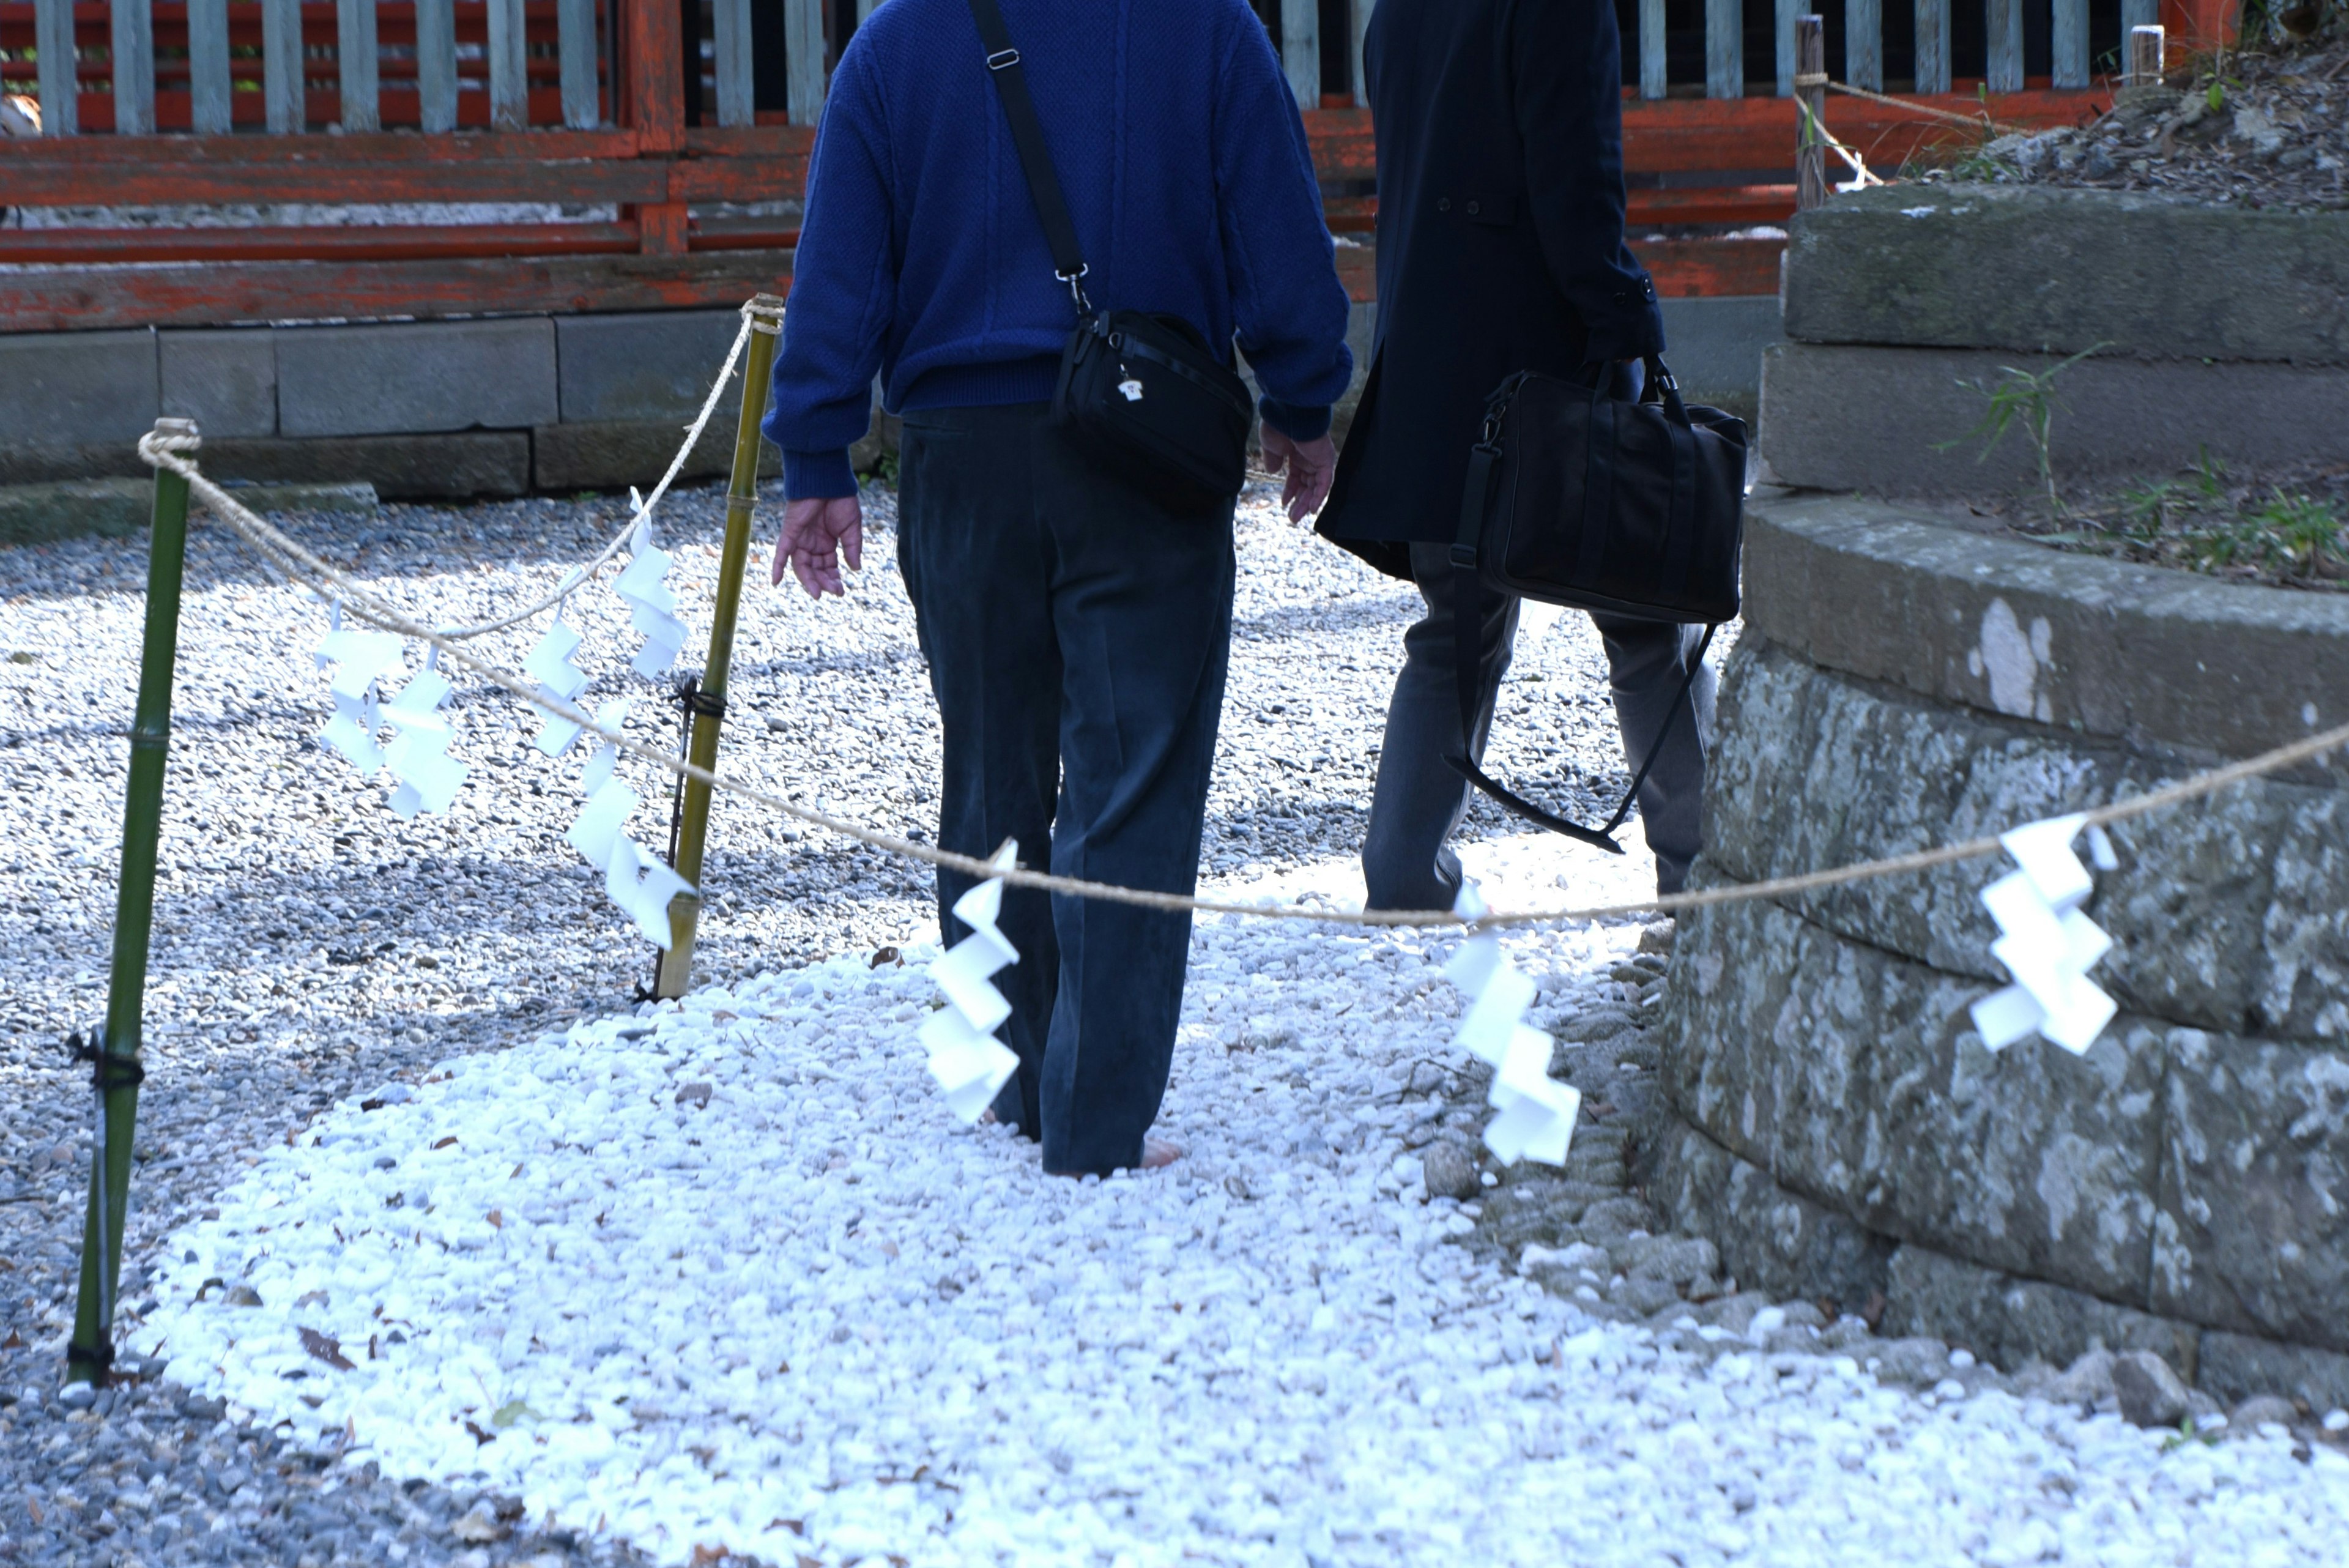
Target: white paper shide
[
  {"x": 2046, "y": 943},
  {"x": 968, "y": 1063}
]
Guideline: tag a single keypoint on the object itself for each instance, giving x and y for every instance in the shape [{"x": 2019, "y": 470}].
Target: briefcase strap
[
  {"x": 1468, "y": 671},
  {"x": 1035, "y": 158}
]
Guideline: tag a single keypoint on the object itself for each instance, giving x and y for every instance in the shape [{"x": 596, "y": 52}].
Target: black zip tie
[{"x": 108, "y": 1071}]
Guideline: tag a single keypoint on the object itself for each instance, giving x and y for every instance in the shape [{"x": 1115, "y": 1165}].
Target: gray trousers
[{"x": 1420, "y": 799}]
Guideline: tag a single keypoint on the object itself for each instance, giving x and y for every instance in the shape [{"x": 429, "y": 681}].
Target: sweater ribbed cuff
[
  {"x": 1297, "y": 421},
  {"x": 818, "y": 474}
]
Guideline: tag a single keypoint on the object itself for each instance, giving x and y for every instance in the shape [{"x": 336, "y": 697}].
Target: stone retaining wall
[
  {"x": 2213, "y": 331},
  {"x": 1835, "y": 1123}
]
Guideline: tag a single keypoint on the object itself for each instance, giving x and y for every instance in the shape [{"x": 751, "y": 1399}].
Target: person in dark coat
[{"x": 1500, "y": 249}]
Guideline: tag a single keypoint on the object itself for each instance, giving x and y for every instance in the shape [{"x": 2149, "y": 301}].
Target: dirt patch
[{"x": 2266, "y": 125}]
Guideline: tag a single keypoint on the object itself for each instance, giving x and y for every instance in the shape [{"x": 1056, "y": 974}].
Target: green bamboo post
[
  {"x": 117, "y": 1051},
  {"x": 674, "y": 972}
]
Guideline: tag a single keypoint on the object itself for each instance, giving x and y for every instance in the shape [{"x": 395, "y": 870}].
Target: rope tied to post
[{"x": 164, "y": 449}]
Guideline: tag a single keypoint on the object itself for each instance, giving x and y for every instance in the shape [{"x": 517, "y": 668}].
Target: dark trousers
[
  {"x": 1077, "y": 636},
  {"x": 1420, "y": 799}
]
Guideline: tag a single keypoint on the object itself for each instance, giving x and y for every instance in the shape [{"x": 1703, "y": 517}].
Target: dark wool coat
[{"x": 1500, "y": 243}]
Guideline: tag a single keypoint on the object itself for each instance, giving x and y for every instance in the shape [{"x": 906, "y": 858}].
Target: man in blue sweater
[{"x": 1076, "y": 630}]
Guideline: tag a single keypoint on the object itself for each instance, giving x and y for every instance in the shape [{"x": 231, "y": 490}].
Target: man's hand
[
  {"x": 817, "y": 531},
  {"x": 1310, "y": 465}
]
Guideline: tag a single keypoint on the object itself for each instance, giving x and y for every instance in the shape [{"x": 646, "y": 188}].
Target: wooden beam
[
  {"x": 509, "y": 67},
  {"x": 223, "y": 293},
  {"x": 2004, "y": 71},
  {"x": 283, "y": 66},
  {"x": 208, "y": 79},
  {"x": 575, "y": 31},
  {"x": 2069, "y": 62},
  {"x": 132, "y": 35},
  {"x": 356, "y": 242},
  {"x": 803, "y": 53},
  {"x": 436, "y": 64},
  {"x": 1724, "y": 48},
  {"x": 1360, "y": 13},
  {"x": 53, "y": 43},
  {"x": 1653, "y": 62},
  {"x": 1300, "y": 50},
  {"x": 355, "y": 65},
  {"x": 1863, "y": 43},
  {"x": 1933, "y": 46},
  {"x": 1782, "y": 37},
  {"x": 732, "y": 46},
  {"x": 1705, "y": 268},
  {"x": 25, "y": 182}
]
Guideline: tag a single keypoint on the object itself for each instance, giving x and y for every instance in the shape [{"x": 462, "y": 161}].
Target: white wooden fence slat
[
  {"x": 207, "y": 66},
  {"x": 2005, "y": 19},
  {"x": 731, "y": 24},
  {"x": 2138, "y": 14},
  {"x": 508, "y": 67},
  {"x": 1783, "y": 36},
  {"x": 1933, "y": 46},
  {"x": 574, "y": 33},
  {"x": 804, "y": 45},
  {"x": 1300, "y": 50},
  {"x": 1361, "y": 10},
  {"x": 282, "y": 84},
  {"x": 1862, "y": 44},
  {"x": 1651, "y": 49},
  {"x": 1724, "y": 48},
  {"x": 435, "y": 64},
  {"x": 355, "y": 64},
  {"x": 53, "y": 39},
  {"x": 133, "y": 37},
  {"x": 2070, "y": 62}
]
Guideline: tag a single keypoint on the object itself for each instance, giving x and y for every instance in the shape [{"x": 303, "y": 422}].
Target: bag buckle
[
  {"x": 1076, "y": 282},
  {"x": 1002, "y": 59},
  {"x": 1464, "y": 556}
]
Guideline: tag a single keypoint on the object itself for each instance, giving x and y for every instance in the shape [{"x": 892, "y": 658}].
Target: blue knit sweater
[{"x": 1179, "y": 145}]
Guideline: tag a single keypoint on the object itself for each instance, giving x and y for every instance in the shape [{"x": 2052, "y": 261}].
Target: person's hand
[
  {"x": 817, "y": 531},
  {"x": 1310, "y": 465}
]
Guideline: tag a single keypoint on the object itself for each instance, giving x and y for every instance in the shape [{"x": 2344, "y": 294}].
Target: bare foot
[{"x": 1157, "y": 1153}]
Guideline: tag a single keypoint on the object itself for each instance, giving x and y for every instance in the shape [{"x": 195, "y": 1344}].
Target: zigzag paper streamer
[
  {"x": 419, "y": 756},
  {"x": 365, "y": 657},
  {"x": 643, "y": 887},
  {"x": 651, "y": 604},
  {"x": 634, "y": 880},
  {"x": 609, "y": 718},
  {"x": 1538, "y": 1112},
  {"x": 969, "y": 1063},
  {"x": 549, "y": 664},
  {"x": 2045, "y": 942}
]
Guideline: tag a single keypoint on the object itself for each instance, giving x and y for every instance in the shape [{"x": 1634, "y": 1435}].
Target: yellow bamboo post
[{"x": 674, "y": 971}]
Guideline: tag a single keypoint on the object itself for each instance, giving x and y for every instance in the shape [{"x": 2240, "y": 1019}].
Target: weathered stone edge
[
  {"x": 2105, "y": 647},
  {"x": 1777, "y": 1240},
  {"x": 2017, "y": 267}
]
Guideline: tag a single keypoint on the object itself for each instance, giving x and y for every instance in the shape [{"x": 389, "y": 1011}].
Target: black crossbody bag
[
  {"x": 1144, "y": 393},
  {"x": 1577, "y": 497}
]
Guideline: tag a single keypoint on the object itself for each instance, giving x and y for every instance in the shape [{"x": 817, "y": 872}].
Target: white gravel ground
[
  {"x": 983, "y": 1365},
  {"x": 727, "y": 1275}
]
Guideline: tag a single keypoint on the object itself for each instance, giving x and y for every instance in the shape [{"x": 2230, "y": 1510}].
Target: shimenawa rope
[{"x": 163, "y": 450}]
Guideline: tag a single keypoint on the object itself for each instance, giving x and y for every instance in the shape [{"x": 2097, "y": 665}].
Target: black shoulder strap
[{"x": 1035, "y": 158}]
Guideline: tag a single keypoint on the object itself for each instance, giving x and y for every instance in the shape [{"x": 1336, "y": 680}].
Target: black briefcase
[{"x": 1577, "y": 497}]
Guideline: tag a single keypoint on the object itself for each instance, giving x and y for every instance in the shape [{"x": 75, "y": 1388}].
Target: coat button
[
  {"x": 1473, "y": 209},
  {"x": 1444, "y": 203}
]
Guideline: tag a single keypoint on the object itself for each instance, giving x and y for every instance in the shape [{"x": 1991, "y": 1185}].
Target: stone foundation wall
[{"x": 1835, "y": 1124}]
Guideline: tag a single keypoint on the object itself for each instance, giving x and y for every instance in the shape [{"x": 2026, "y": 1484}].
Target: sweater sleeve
[
  {"x": 1289, "y": 309},
  {"x": 842, "y": 283},
  {"x": 1566, "y": 72}
]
